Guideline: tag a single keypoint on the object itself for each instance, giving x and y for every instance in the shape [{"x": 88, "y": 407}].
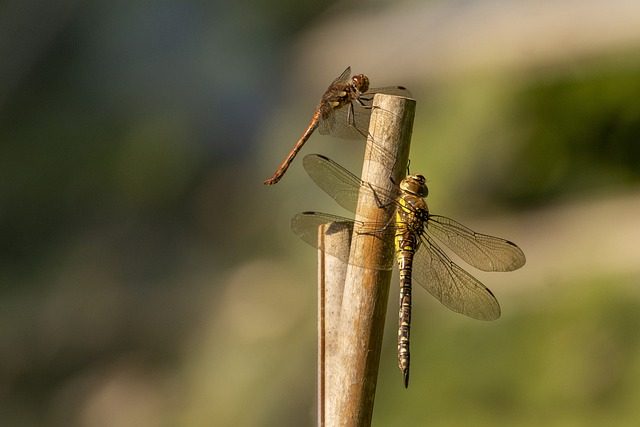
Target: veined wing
[
  {"x": 343, "y": 186},
  {"x": 390, "y": 90},
  {"x": 306, "y": 224},
  {"x": 481, "y": 251},
  {"x": 351, "y": 121},
  {"x": 328, "y": 122},
  {"x": 342, "y": 78},
  {"x": 453, "y": 286}
]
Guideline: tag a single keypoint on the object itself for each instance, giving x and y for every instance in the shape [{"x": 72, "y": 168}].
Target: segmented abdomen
[{"x": 406, "y": 244}]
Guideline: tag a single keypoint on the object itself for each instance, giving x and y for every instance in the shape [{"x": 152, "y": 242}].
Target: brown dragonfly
[{"x": 344, "y": 111}]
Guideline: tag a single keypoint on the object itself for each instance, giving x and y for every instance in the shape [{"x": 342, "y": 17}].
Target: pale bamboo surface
[
  {"x": 349, "y": 380},
  {"x": 331, "y": 277}
]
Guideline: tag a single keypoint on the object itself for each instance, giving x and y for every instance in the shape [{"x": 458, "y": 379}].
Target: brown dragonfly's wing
[
  {"x": 342, "y": 78},
  {"x": 343, "y": 186},
  {"x": 390, "y": 90},
  {"x": 453, "y": 286},
  {"x": 328, "y": 120},
  {"x": 350, "y": 121},
  {"x": 483, "y": 252},
  {"x": 305, "y": 225}
]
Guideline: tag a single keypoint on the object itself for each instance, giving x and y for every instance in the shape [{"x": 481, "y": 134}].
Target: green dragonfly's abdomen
[
  {"x": 409, "y": 225},
  {"x": 406, "y": 242}
]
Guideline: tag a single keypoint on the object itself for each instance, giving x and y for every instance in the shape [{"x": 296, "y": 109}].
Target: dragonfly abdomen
[
  {"x": 406, "y": 244},
  {"x": 313, "y": 125}
]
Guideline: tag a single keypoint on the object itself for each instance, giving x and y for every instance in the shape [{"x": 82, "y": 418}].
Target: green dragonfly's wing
[
  {"x": 453, "y": 286},
  {"x": 483, "y": 252},
  {"x": 343, "y": 186},
  {"x": 305, "y": 225}
]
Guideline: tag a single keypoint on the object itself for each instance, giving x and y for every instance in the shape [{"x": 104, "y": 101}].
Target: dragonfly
[
  {"x": 344, "y": 111},
  {"x": 417, "y": 237}
]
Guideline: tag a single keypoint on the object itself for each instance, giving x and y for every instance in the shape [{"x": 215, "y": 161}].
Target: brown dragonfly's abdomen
[
  {"x": 315, "y": 121},
  {"x": 336, "y": 96}
]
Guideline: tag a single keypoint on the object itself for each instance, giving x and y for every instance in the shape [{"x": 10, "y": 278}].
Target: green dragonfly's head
[{"x": 416, "y": 185}]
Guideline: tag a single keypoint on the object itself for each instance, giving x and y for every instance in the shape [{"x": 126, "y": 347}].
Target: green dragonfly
[{"x": 418, "y": 256}]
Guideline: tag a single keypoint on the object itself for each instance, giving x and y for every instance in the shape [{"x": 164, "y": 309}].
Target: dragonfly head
[
  {"x": 360, "y": 82},
  {"x": 416, "y": 185}
]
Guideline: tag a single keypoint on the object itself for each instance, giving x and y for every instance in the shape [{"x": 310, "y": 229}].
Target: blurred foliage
[
  {"x": 582, "y": 132},
  {"x": 148, "y": 278},
  {"x": 529, "y": 141},
  {"x": 568, "y": 357}
]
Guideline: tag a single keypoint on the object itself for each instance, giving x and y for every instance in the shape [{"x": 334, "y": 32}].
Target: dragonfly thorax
[
  {"x": 360, "y": 82},
  {"x": 416, "y": 185}
]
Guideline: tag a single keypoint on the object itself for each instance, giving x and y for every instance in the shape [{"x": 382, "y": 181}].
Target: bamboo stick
[
  {"x": 350, "y": 390},
  {"x": 331, "y": 277}
]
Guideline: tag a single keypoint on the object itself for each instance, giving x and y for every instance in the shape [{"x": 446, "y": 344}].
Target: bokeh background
[{"x": 148, "y": 278}]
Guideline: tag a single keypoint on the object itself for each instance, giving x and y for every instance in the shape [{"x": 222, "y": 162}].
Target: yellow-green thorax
[{"x": 412, "y": 212}]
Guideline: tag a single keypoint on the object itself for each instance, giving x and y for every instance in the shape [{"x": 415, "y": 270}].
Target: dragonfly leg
[
  {"x": 377, "y": 231},
  {"x": 378, "y": 201},
  {"x": 351, "y": 119},
  {"x": 390, "y": 222}
]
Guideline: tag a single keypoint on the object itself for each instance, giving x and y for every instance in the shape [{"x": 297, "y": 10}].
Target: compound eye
[
  {"x": 423, "y": 191},
  {"x": 361, "y": 82},
  {"x": 415, "y": 184}
]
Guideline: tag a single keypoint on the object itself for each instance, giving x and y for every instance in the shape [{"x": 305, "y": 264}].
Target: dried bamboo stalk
[{"x": 349, "y": 388}]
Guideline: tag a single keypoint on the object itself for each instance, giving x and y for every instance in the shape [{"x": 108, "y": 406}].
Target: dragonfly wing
[
  {"x": 328, "y": 120},
  {"x": 486, "y": 253},
  {"x": 453, "y": 286},
  {"x": 343, "y": 186},
  {"x": 327, "y": 123},
  {"x": 305, "y": 225},
  {"x": 342, "y": 78},
  {"x": 390, "y": 90},
  {"x": 351, "y": 121},
  {"x": 334, "y": 180}
]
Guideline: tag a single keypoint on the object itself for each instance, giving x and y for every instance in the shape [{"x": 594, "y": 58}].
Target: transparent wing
[
  {"x": 486, "y": 253},
  {"x": 342, "y": 78},
  {"x": 351, "y": 121},
  {"x": 454, "y": 287},
  {"x": 343, "y": 186},
  {"x": 390, "y": 90},
  {"x": 334, "y": 180},
  {"x": 305, "y": 225},
  {"x": 328, "y": 121}
]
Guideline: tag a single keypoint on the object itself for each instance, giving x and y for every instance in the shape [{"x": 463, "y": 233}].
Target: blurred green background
[{"x": 148, "y": 278}]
